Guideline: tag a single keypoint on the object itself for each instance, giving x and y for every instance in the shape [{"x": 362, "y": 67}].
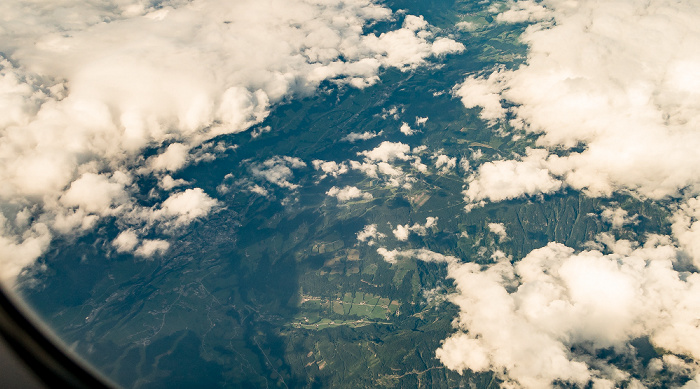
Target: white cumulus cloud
[
  {"x": 406, "y": 129},
  {"x": 388, "y": 151},
  {"x": 126, "y": 241},
  {"x": 370, "y": 234},
  {"x": 181, "y": 208},
  {"x": 330, "y": 168},
  {"x": 509, "y": 179},
  {"x": 348, "y": 193},
  {"x": 445, "y": 163},
  {"x": 618, "y": 217},
  {"x": 609, "y": 86},
  {"x": 94, "y": 193},
  {"x": 172, "y": 159},
  {"x": 542, "y": 319},
  {"x": 614, "y": 77},
  {"x": 151, "y": 247},
  {"x": 499, "y": 229},
  {"x": 402, "y": 232}
]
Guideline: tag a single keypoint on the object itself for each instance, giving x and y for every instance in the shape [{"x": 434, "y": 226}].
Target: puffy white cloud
[
  {"x": 509, "y": 179},
  {"x": 182, "y": 208},
  {"x": 390, "y": 170},
  {"x": 466, "y": 26},
  {"x": 589, "y": 81},
  {"x": 348, "y": 193},
  {"x": 464, "y": 164},
  {"x": 20, "y": 250},
  {"x": 93, "y": 193},
  {"x": 330, "y": 168},
  {"x": 618, "y": 217},
  {"x": 370, "y": 234},
  {"x": 484, "y": 93},
  {"x": 19, "y": 100},
  {"x": 406, "y": 129},
  {"x": 389, "y": 256},
  {"x": 407, "y": 48},
  {"x": 168, "y": 182},
  {"x": 387, "y": 152},
  {"x": 76, "y": 100},
  {"x": 445, "y": 163},
  {"x": 278, "y": 170},
  {"x": 73, "y": 220},
  {"x": 367, "y": 168},
  {"x": 419, "y": 165},
  {"x": 442, "y": 46},
  {"x": 686, "y": 229},
  {"x": 542, "y": 319},
  {"x": 381, "y": 162},
  {"x": 414, "y": 23},
  {"x": 430, "y": 221},
  {"x": 294, "y": 162},
  {"x": 259, "y": 131},
  {"x": 608, "y": 85},
  {"x": 499, "y": 229},
  {"x": 401, "y": 232},
  {"x": 126, "y": 241},
  {"x": 172, "y": 159},
  {"x": 151, "y": 247},
  {"x": 524, "y": 11},
  {"x": 692, "y": 384}
]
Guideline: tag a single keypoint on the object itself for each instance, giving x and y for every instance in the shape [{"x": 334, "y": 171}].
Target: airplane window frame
[{"x": 51, "y": 362}]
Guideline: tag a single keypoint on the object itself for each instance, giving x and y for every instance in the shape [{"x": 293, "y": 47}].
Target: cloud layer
[
  {"x": 554, "y": 301},
  {"x": 610, "y": 88},
  {"x": 86, "y": 87},
  {"x": 543, "y": 319},
  {"x": 615, "y": 77}
]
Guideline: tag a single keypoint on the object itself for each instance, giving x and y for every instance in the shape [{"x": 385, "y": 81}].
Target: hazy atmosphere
[{"x": 322, "y": 193}]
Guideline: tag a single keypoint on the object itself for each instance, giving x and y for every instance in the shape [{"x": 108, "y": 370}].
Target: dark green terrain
[{"x": 276, "y": 291}]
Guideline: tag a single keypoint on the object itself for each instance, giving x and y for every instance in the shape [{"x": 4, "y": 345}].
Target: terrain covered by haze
[{"x": 321, "y": 193}]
